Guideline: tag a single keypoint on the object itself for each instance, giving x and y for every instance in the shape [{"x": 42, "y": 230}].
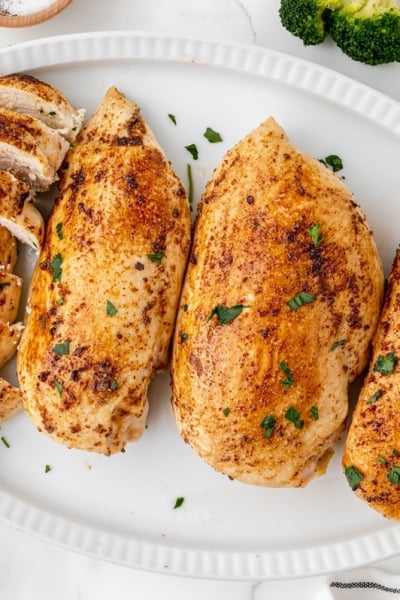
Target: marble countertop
[{"x": 31, "y": 568}]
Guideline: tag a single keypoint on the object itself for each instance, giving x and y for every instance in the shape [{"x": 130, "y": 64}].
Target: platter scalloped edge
[{"x": 164, "y": 558}]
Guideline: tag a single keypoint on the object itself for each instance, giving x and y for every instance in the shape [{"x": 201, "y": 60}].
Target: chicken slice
[
  {"x": 371, "y": 456},
  {"x": 9, "y": 338},
  {"x": 103, "y": 296},
  {"x": 8, "y": 250},
  {"x": 28, "y": 95},
  {"x": 10, "y": 295},
  {"x": 18, "y": 212},
  {"x": 278, "y": 309},
  {"x": 29, "y": 149},
  {"x": 10, "y": 400}
]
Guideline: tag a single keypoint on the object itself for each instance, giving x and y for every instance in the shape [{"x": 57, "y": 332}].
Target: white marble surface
[{"x": 31, "y": 568}]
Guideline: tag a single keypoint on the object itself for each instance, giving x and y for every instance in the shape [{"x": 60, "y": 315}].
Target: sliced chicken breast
[
  {"x": 18, "y": 212},
  {"x": 31, "y": 96},
  {"x": 29, "y": 149}
]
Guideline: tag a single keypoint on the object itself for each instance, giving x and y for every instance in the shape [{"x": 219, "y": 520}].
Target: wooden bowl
[{"x": 33, "y": 18}]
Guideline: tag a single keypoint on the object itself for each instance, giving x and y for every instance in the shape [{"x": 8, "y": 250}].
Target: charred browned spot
[
  {"x": 100, "y": 175},
  {"x": 196, "y": 362},
  {"x": 86, "y": 211},
  {"x": 139, "y": 266},
  {"x": 79, "y": 350},
  {"x": 135, "y": 140},
  {"x": 78, "y": 180},
  {"x": 69, "y": 399},
  {"x": 145, "y": 312},
  {"x": 43, "y": 375},
  {"x": 103, "y": 376},
  {"x": 47, "y": 424},
  {"x": 44, "y": 265},
  {"x": 159, "y": 243},
  {"x": 101, "y": 429},
  {"x": 21, "y": 199},
  {"x": 175, "y": 213},
  {"x": 75, "y": 428},
  {"x": 131, "y": 183},
  {"x": 226, "y": 260},
  {"x": 193, "y": 259}
]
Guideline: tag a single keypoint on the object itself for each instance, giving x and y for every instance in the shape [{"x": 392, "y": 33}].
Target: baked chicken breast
[
  {"x": 371, "y": 456},
  {"x": 103, "y": 297},
  {"x": 279, "y": 306}
]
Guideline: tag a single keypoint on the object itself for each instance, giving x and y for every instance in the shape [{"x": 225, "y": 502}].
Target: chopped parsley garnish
[
  {"x": 395, "y": 452},
  {"x": 59, "y": 231},
  {"x": 110, "y": 309},
  {"x": 212, "y": 136},
  {"x": 179, "y": 501},
  {"x": 184, "y": 337},
  {"x": 52, "y": 113},
  {"x": 302, "y": 298},
  {"x": 60, "y": 301},
  {"x": 5, "y": 442},
  {"x": 58, "y": 387},
  {"x": 226, "y": 411},
  {"x": 314, "y": 412},
  {"x": 268, "y": 424},
  {"x": 185, "y": 307},
  {"x": 337, "y": 344},
  {"x": 42, "y": 321},
  {"x": 192, "y": 148},
  {"x": 62, "y": 348},
  {"x": 55, "y": 267},
  {"x": 293, "y": 415},
  {"x": 381, "y": 460},
  {"x": 172, "y": 118},
  {"x": 156, "y": 257},
  {"x": 225, "y": 314},
  {"x": 315, "y": 234},
  {"x": 288, "y": 381},
  {"x": 353, "y": 476},
  {"x": 4, "y": 284},
  {"x": 114, "y": 385},
  {"x": 47, "y": 468},
  {"x": 386, "y": 364},
  {"x": 375, "y": 397},
  {"x": 190, "y": 185},
  {"x": 334, "y": 162},
  {"x": 394, "y": 475}
]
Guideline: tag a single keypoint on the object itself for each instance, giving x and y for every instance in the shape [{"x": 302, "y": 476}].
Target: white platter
[{"x": 120, "y": 509}]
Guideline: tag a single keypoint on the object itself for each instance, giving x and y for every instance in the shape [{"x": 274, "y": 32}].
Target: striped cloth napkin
[{"x": 364, "y": 584}]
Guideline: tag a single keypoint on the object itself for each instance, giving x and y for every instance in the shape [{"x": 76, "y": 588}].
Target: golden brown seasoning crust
[
  {"x": 260, "y": 388},
  {"x": 371, "y": 456},
  {"x": 104, "y": 293}
]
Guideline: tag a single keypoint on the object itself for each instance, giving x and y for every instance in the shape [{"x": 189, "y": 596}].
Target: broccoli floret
[
  {"x": 366, "y": 30},
  {"x": 370, "y": 35},
  {"x": 307, "y": 19}
]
